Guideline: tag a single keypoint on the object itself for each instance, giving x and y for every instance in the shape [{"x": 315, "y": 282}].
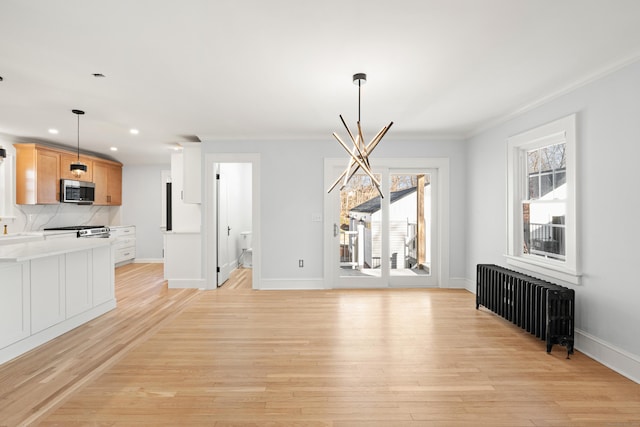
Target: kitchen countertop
[{"x": 26, "y": 251}]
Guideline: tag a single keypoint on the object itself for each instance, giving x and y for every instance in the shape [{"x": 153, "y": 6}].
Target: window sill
[{"x": 546, "y": 269}]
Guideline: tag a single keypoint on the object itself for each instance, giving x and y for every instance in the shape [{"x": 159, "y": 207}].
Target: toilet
[{"x": 247, "y": 253}]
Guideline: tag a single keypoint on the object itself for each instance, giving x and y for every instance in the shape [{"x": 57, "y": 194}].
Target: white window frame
[{"x": 556, "y": 132}]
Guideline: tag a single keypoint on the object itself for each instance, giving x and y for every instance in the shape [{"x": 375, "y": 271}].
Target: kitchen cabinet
[
  {"x": 39, "y": 170},
  {"x": 191, "y": 172},
  {"x": 66, "y": 159},
  {"x": 108, "y": 179},
  {"x": 37, "y": 175},
  {"x": 185, "y": 217},
  {"x": 124, "y": 247}
]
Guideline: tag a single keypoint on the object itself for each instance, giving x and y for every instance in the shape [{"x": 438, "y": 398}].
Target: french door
[{"x": 384, "y": 240}]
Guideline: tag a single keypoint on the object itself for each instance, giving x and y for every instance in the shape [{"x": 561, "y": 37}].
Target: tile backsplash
[{"x": 39, "y": 217}]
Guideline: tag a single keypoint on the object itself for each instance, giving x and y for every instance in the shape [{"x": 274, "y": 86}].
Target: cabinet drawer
[
  {"x": 124, "y": 254},
  {"x": 125, "y": 242}
]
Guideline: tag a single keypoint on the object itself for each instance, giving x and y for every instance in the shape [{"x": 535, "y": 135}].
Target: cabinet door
[
  {"x": 47, "y": 177},
  {"x": 65, "y": 167},
  {"x": 114, "y": 185},
  {"x": 78, "y": 284},
  {"x": 108, "y": 180},
  {"x": 14, "y": 304},
  {"x": 100, "y": 179},
  {"x": 103, "y": 280},
  {"x": 47, "y": 292}
]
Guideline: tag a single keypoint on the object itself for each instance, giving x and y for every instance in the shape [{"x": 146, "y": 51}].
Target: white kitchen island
[{"x": 49, "y": 287}]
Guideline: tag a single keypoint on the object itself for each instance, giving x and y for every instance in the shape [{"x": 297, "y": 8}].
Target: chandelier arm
[
  {"x": 351, "y": 164},
  {"x": 360, "y": 163},
  {"x": 363, "y": 152},
  {"x": 375, "y": 141},
  {"x": 353, "y": 139}
]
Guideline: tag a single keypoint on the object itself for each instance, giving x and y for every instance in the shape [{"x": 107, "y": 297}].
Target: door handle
[
  {"x": 335, "y": 230},
  {"x": 228, "y": 231}
]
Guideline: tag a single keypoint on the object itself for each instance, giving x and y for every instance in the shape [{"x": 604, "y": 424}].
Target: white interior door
[{"x": 224, "y": 229}]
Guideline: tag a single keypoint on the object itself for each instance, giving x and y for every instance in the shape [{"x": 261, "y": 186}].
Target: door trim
[{"x": 441, "y": 164}]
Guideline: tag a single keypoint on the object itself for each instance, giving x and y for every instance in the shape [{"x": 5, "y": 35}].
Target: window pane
[
  {"x": 544, "y": 229},
  {"x": 533, "y": 161},
  {"x": 534, "y": 187},
  {"x": 546, "y": 184}
]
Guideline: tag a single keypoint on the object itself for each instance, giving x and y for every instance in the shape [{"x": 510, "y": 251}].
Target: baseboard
[
  {"x": 461, "y": 283},
  {"x": 291, "y": 284},
  {"x": 619, "y": 360},
  {"x": 186, "y": 283},
  {"x": 148, "y": 261}
]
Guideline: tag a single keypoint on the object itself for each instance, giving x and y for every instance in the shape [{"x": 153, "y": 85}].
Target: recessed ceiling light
[
  {"x": 114, "y": 148},
  {"x": 134, "y": 131},
  {"x": 53, "y": 131}
]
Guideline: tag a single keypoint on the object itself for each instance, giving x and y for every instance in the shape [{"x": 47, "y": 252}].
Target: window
[{"x": 541, "y": 200}]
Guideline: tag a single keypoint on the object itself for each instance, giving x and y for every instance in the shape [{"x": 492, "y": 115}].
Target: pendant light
[
  {"x": 78, "y": 168},
  {"x": 359, "y": 154}
]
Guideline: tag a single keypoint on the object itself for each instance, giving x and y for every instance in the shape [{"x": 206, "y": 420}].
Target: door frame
[
  {"x": 441, "y": 165},
  {"x": 210, "y": 215}
]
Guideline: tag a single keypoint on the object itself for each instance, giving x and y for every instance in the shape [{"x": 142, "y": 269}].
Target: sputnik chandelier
[{"x": 359, "y": 154}]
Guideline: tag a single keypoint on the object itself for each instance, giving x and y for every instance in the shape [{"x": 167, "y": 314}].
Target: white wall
[
  {"x": 142, "y": 207},
  {"x": 292, "y": 190},
  {"x": 608, "y": 149}
]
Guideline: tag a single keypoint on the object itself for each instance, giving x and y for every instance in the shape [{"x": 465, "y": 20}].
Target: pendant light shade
[{"x": 78, "y": 168}]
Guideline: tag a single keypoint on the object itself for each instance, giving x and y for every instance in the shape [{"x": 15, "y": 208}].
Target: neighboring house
[{"x": 365, "y": 226}]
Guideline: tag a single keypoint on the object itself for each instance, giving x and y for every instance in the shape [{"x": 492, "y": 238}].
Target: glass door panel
[
  {"x": 360, "y": 231},
  {"x": 410, "y": 224}
]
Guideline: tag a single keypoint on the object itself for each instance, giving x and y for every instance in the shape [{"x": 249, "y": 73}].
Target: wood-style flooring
[{"x": 407, "y": 357}]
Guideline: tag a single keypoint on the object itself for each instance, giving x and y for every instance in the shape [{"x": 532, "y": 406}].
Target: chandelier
[{"x": 359, "y": 152}]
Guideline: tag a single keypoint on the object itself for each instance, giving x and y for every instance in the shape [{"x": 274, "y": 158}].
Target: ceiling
[{"x": 179, "y": 70}]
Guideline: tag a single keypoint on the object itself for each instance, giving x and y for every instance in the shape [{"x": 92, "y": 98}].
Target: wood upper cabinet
[
  {"x": 39, "y": 170},
  {"x": 108, "y": 179},
  {"x": 37, "y": 175},
  {"x": 65, "y": 167}
]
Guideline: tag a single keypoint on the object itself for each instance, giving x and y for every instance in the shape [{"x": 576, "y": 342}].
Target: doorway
[
  {"x": 232, "y": 218},
  {"x": 393, "y": 239}
]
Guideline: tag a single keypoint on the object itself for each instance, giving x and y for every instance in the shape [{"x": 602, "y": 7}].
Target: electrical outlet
[{"x": 300, "y": 263}]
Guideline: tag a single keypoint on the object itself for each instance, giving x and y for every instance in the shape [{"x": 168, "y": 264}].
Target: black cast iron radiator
[{"x": 542, "y": 308}]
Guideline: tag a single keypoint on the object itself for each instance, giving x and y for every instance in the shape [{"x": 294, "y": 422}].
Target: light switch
[{"x": 316, "y": 217}]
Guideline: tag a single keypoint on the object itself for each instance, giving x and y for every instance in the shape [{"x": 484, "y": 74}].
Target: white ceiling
[{"x": 282, "y": 69}]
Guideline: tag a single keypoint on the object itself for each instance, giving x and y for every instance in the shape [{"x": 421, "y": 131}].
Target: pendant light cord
[
  {"x": 78, "y": 138},
  {"x": 359, "y": 86}
]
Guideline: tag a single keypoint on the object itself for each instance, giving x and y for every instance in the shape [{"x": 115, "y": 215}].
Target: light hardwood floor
[{"x": 235, "y": 356}]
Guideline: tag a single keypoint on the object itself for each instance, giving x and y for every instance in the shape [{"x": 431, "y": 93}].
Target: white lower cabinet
[
  {"x": 124, "y": 248},
  {"x": 103, "y": 280},
  {"x": 47, "y": 292},
  {"x": 15, "y": 321},
  {"x": 47, "y": 296},
  {"x": 78, "y": 287}
]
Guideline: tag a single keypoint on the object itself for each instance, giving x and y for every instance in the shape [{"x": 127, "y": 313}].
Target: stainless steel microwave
[{"x": 81, "y": 192}]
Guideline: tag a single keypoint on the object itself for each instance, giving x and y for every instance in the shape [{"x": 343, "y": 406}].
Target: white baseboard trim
[
  {"x": 619, "y": 360},
  {"x": 186, "y": 283},
  {"x": 148, "y": 261},
  {"x": 461, "y": 283},
  {"x": 291, "y": 284}
]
